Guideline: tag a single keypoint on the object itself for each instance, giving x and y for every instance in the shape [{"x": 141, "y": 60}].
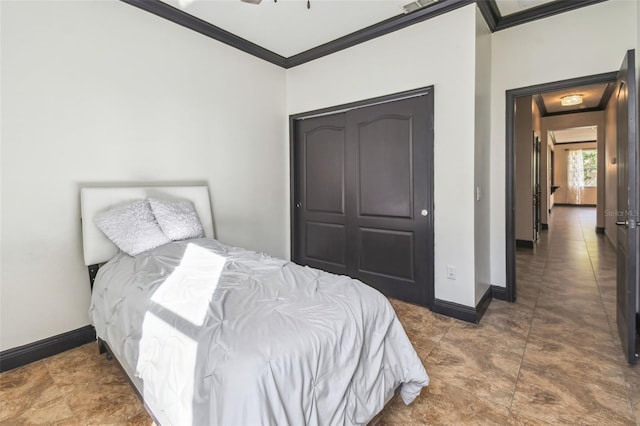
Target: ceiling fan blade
[{"x": 251, "y": 1}]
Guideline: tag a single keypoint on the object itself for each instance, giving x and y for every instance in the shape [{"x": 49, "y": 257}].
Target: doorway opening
[
  {"x": 575, "y": 163},
  {"x": 532, "y": 159},
  {"x": 618, "y": 154}
]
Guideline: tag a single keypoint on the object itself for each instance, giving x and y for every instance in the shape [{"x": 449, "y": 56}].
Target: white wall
[
  {"x": 586, "y": 41},
  {"x": 523, "y": 153},
  {"x": 482, "y": 156},
  {"x": 104, "y": 92},
  {"x": 439, "y": 52}
]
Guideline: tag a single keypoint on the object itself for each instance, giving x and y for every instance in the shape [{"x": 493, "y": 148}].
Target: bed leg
[{"x": 102, "y": 349}]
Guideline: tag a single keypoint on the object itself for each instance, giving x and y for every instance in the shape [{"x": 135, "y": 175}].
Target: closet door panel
[
  {"x": 388, "y": 254},
  {"x": 319, "y": 228},
  {"x": 326, "y": 243},
  {"x": 388, "y": 198},
  {"x": 386, "y": 167},
  {"x": 324, "y": 160}
]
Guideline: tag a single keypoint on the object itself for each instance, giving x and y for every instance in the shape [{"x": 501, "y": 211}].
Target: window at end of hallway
[{"x": 590, "y": 167}]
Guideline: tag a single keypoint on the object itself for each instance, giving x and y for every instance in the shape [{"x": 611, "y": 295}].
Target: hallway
[
  {"x": 573, "y": 357},
  {"x": 552, "y": 357}
]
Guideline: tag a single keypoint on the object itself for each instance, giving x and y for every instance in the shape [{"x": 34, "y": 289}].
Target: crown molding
[
  {"x": 376, "y": 30},
  {"x": 488, "y": 8},
  {"x": 533, "y": 14},
  {"x": 490, "y": 13},
  {"x": 187, "y": 20}
]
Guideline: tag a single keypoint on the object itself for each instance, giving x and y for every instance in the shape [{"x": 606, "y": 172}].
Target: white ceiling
[
  {"x": 591, "y": 98},
  {"x": 576, "y": 134},
  {"x": 507, "y": 7},
  {"x": 288, "y": 27}
]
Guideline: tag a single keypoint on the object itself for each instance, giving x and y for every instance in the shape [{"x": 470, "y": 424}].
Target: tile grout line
[
  {"x": 595, "y": 278},
  {"x": 64, "y": 396},
  {"x": 524, "y": 351}
]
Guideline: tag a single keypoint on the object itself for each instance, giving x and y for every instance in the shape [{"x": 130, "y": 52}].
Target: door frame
[
  {"x": 537, "y": 147},
  {"x": 295, "y": 118},
  {"x": 510, "y": 184}
]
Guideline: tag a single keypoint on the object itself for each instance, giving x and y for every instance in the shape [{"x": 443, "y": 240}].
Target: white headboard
[{"x": 97, "y": 247}]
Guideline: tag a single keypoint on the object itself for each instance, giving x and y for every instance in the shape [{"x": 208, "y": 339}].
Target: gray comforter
[{"x": 218, "y": 335}]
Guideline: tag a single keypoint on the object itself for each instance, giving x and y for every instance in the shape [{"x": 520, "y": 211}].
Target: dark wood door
[
  {"x": 364, "y": 196},
  {"x": 320, "y": 226},
  {"x": 536, "y": 187},
  {"x": 627, "y": 246}
]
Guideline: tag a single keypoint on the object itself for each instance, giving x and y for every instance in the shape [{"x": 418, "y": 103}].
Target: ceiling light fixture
[
  {"x": 275, "y": 1},
  {"x": 417, "y": 4},
  {"x": 571, "y": 100}
]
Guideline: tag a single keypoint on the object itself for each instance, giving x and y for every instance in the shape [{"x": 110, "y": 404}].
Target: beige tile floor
[{"x": 553, "y": 357}]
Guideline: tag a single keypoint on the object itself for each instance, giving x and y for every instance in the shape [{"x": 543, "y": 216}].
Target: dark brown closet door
[
  {"x": 388, "y": 220},
  {"x": 363, "y": 187},
  {"x": 320, "y": 234}
]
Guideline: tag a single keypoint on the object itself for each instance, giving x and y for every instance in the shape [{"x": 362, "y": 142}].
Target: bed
[{"x": 211, "y": 334}]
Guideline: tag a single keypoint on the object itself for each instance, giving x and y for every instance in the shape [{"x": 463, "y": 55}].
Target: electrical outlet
[{"x": 451, "y": 272}]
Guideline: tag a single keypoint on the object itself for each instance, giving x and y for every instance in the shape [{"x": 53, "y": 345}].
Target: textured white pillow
[
  {"x": 132, "y": 227},
  {"x": 177, "y": 219}
]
